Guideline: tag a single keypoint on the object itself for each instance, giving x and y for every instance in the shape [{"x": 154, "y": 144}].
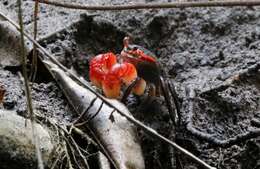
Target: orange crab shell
[
  {"x": 99, "y": 66},
  {"x": 96, "y": 76},
  {"x": 106, "y": 60},
  {"x": 118, "y": 74},
  {"x": 111, "y": 86},
  {"x": 125, "y": 72}
]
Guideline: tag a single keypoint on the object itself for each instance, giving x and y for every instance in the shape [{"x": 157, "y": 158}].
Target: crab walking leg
[
  {"x": 119, "y": 137},
  {"x": 140, "y": 86}
]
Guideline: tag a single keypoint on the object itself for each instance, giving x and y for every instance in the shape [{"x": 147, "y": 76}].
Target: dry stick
[
  {"x": 68, "y": 134},
  {"x": 56, "y": 160},
  {"x": 84, "y": 112},
  {"x": 84, "y": 135},
  {"x": 128, "y": 117},
  {"x": 72, "y": 152},
  {"x": 80, "y": 153},
  {"x": 154, "y": 5},
  {"x": 27, "y": 88},
  {"x": 68, "y": 156},
  {"x": 34, "y": 56}
]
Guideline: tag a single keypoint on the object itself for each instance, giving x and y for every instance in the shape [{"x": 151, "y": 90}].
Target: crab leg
[
  {"x": 175, "y": 99},
  {"x": 129, "y": 89},
  {"x": 165, "y": 90}
]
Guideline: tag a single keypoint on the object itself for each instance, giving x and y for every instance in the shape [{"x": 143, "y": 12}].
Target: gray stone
[
  {"x": 10, "y": 45},
  {"x": 17, "y": 148}
]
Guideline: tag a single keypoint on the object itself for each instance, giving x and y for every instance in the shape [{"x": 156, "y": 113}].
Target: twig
[
  {"x": 54, "y": 164},
  {"x": 84, "y": 135},
  {"x": 128, "y": 117},
  {"x": 80, "y": 153},
  {"x": 67, "y": 155},
  {"x": 62, "y": 166},
  {"x": 154, "y": 5},
  {"x": 27, "y": 88},
  {"x": 95, "y": 114},
  {"x": 34, "y": 57},
  {"x": 70, "y": 142},
  {"x": 84, "y": 112},
  {"x": 73, "y": 154}
]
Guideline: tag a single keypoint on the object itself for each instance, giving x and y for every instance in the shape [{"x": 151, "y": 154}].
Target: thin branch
[
  {"x": 84, "y": 112},
  {"x": 84, "y": 135},
  {"x": 27, "y": 87},
  {"x": 128, "y": 117},
  {"x": 80, "y": 153},
  {"x": 34, "y": 54},
  {"x": 154, "y": 5},
  {"x": 54, "y": 164},
  {"x": 68, "y": 156}
]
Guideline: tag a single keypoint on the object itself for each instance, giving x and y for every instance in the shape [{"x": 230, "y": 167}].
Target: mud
[
  {"x": 200, "y": 48},
  {"x": 47, "y": 97}
]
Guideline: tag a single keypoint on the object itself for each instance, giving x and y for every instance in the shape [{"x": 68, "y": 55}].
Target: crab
[
  {"x": 136, "y": 68},
  {"x": 150, "y": 71}
]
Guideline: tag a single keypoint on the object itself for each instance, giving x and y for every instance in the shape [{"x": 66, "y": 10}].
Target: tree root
[
  {"x": 67, "y": 148},
  {"x": 208, "y": 137}
]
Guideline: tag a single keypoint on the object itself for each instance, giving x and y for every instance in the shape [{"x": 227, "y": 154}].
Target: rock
[
  {"x": 16, "y": 145},
  {"x": 10, "y": 45}
]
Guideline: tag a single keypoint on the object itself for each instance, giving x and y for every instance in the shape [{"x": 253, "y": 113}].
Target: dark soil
[
  {"x": 47, "y": 97},
  {"x": 199, "y": 48}
]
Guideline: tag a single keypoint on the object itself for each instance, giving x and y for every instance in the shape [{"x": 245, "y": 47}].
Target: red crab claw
[
  {"x": 118, "y": 74},
  {"x": 99, "y": 66},
  {"x": 125, "y": 71},
  {"x": 111, "y": 86}
]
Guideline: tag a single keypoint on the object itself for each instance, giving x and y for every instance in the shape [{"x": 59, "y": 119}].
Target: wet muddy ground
[{"x": 199, "y": 48}]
